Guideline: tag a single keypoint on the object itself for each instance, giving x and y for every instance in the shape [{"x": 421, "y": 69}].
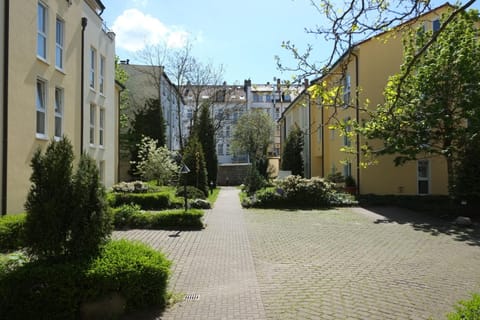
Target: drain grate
[{"x": 192, "y": 297}]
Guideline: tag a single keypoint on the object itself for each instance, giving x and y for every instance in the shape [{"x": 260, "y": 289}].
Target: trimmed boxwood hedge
[
  {"x": 146, "y": 201},
  {"x": 12, "y": 232},
  {"x": 130, "y": 216},
  {"x": 46, "y": 290}
]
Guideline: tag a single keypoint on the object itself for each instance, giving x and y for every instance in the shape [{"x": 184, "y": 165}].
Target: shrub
[
  {"x": 90, "y": 223},
  {"x": 194, "y": 158},
  {"x": 192, "y": 192},
  {"x": 146, "y": 201},
  {"x": 254, "y": 181},
  {"x": 131, "y": 217},
  {"x": 132, "y": 269},
  {"x": 296, "y": 192},
  {"x": 122, "y": 215},
  {"x": 66, "y": 215},
  {"x": 12, "y": 232},
  {"x": 50, "y": 200},
  {"x": 133, "y": 187},
  {"x": 46, "y": 290},
  {"x": 200, "y": 204},
  {"x": 11, "y": 261},
  {"x": 469, "y": 309}
]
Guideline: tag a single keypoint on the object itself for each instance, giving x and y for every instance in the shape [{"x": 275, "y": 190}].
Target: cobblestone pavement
[
  {"x": 335, "y": 264},
  {"x": 214, "y": 265}
]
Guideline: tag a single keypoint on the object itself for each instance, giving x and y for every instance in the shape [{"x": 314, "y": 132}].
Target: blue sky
[{"x": 243, "y": 36}]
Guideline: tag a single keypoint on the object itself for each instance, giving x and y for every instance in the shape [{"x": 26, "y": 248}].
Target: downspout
[
  {"x": 323, "y": 141},
  {"x": 6, "y": 39},
  {"x": 119, "y": 127},
  {"x": 357, "y": 116},
  {"x": 82, "y": 84}
]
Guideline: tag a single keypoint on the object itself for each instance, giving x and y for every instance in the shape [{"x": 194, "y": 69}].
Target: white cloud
[{"x": 134, "y": 30}]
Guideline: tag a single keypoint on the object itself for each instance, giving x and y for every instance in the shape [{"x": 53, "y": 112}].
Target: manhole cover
[{"x": 191, "y": 297}]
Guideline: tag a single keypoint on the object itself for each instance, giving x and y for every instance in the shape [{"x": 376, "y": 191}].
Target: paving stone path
[{"x": 334, "y": 264}]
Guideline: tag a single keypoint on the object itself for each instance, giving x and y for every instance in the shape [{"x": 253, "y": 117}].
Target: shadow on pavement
[{"x": 426, "y": 223}]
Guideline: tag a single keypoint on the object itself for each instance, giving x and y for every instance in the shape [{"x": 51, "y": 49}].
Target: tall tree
[
  {"x": 436, "y": 111},
  {"x": 292, "y": 154},
  {"x": 205, "y": 132},
  {"x": 148, "y": 122},
  {"x": 193, "y": 157},
  {"x": 253, "y": 134}
]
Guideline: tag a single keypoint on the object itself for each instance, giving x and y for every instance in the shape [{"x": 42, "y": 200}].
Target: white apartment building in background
[{"x": 229, "y": 102}]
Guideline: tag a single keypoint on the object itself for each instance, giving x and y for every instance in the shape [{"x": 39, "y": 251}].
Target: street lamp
[{"x": 185, "y": 170}]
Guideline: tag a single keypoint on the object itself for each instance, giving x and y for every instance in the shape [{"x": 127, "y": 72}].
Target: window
[
  {"x": 220, "y": 149},
  {"x": 93, "y": 65},
  {"x": 92, "y": 124},
  {"x": 423, "y": 176},
  {"x": 102, "y": 74},
  {"x": 227, "y": 131},
  {"x": 41, "y": 109},
  {"x": 42, "y": 31},
  {"x": 257, "y": 97},
  {"x": 319, "y": 133},
  {"x": 277, "y": 113},
  {"x": 332, "y": 134},
  {"x": 435, "y": 25},
  {"x": 347, "y": 169},
  {"x": 101, "y": 127},
  {"x": 227, "y": 152},
  {"x": 346, "y": 90},
  {"x": 58, "y": 112},
  {"x": 346, "y": 138},
  {"x": 59, "y": 40}
]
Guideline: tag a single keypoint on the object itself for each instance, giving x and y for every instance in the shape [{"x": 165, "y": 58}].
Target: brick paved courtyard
[{"x": 335, "y": 264}]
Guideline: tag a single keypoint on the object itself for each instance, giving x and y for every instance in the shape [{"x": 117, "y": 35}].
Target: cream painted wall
[
  {"x": 378, "y": 59},
  {"x": 24, "y": 69}
]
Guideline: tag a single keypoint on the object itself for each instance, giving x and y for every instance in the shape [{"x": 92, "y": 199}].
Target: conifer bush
[{"x": 67, "y": 215}]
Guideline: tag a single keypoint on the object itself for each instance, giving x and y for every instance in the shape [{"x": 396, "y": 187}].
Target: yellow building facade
[
  {"x": 43, "y": 91},
  {"x": 362, "y": 74}
]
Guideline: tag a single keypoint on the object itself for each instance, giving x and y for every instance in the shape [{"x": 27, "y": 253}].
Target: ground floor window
[{"x": 423, "y": 176}]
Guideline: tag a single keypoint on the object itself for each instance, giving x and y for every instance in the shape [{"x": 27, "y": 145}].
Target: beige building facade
[
  {"x": 362, "y": 74},
  {"x": 43, "y": 92}
]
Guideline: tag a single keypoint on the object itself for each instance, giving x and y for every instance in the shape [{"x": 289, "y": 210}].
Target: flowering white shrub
[{"x": 156, "y": 163}]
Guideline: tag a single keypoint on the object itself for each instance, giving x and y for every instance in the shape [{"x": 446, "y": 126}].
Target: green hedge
[
  {"x": 130, "y": 216},
  {"x": 12, "y": 232},
  {"x": 297, "y": 192},
  {"x": 147, "y": 201},
  {"x": 469, "y": 309},
  {"x": 46, "y": 290}
]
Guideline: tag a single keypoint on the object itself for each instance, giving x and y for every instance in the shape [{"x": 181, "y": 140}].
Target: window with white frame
[
  {"x": 347, "y": 141},
  {"x": 227, "y": 151},
  {"x": 101, "y": 127},
  {"x": 346, "y": 90},
  {"x": 102, "y": 74},
  {"x": 41, "y": 108},
  {"x": 59, "y": 41},
  {"x": 347, "y": 169},
  {"x": 423, "y": 176},
  {"x": 435, "y": 25},
  {"x": 93, "y": 66},
  {"x": 227, "y": 131},
  {"x": 42, "y": 31},
  {"x": 93, "y": 111},
  {"x": 58, "y": 112},
  {"x": 220, "y": 149}
]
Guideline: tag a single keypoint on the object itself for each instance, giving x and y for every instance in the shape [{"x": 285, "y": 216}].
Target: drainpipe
[
  {"x": 322, "y": 119},
  {"x": 82, "y": 84},
  {"x": 309, "y": 130},
  {"x": 6, "y": 21},
  {"x": 357, "y": 116}
]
